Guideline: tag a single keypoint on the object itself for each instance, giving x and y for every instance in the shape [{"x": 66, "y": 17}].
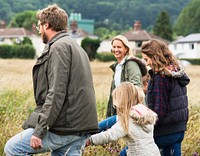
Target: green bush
[
  {"x": 27, "y": 40},
  {"x": 105, "y": 57},
  {"x": 5, "y": 51},
  {"x": 90, "y": 46},
  {"x": 25, "y": 51},
  {"x": 192, "y": 61}
]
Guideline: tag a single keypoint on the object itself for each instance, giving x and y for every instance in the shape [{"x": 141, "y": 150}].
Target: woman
[
  {"x": 167, "y": 96},
  {"x": 135, "y": 123},
  {"x": 125, "y": 69}
]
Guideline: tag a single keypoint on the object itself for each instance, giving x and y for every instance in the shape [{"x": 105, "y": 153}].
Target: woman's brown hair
[{"x": 159, "y": 53}]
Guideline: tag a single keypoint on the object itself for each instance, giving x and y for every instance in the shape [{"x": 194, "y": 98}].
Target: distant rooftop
[
  {"x": 14, "y": 32},
  {"x": 138, "y": 34},
  {"x": 190, "y": 38}
]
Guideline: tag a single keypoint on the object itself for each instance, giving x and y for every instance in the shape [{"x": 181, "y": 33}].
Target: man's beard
[{"x": 44, "y": 38}]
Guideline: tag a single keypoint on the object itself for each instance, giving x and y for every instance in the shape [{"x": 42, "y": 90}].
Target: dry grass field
[{"x": 16, "y": 74}]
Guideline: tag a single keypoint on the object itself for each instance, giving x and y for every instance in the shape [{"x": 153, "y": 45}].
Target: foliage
[
  {"x": 17, "y": 51},
  {"x": 24, "y": 19},
  {"x": 188, "y": 21},
  {"x": 5, "y": 11},
  {"x": 163, "y": 27},
  {"x": 15, "y": 106},
  {"x": 118, "y": 15},
  {"x": 191, "y": 142},
  {"x": 105, "y": 33},
  {"x": 26, "y": 51},
  {"x": 90, "y": 46},
  {"x": 27, "y": 40},
  {"x": 192, "y": 61},
  {"x": 105, "y": 57},
  {"x": 5, "y": 51}
]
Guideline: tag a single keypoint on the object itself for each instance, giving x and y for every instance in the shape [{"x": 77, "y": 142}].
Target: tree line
[{"x": 112, "y": 17}]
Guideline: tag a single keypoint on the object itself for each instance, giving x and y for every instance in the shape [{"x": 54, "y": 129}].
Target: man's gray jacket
[{"x": 63, "y": 90}]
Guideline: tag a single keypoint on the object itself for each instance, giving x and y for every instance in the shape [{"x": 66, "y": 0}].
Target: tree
[
  {"x": 163, "y": 27},
  {"x": 188, "y": 21},
  {"x": 90, "y": 46},
  {"x": 25, "y": 19}
]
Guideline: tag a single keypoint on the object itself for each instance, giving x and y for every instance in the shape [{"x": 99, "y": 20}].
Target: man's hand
[{"x": 35, "y": 142}]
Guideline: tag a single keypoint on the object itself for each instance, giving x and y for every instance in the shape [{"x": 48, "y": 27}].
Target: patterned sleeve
[{"x": 161, "y": 92}]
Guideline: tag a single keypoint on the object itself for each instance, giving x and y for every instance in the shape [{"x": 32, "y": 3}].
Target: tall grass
[
  {"x": 15, "y": 106},
  {"x": 16, "y": 103}
]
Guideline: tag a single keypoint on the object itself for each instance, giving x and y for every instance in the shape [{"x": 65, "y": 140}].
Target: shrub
[
  {"x": 192, "y": 61},
  {"x": 17, "y": 51},
  {"x": 27, "y": 40},
  {"x": 105, "y": 57},
  {"x": 5, "y": 51},
  {"x": 90, "y": 46}
]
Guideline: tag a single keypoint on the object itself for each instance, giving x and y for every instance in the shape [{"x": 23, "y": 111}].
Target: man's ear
[{"x": 46, "y": 25}]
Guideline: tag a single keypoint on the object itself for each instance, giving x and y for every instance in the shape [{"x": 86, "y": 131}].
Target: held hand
[
  {"x": 35, "y": 142},
  {"x": 87, "y": 143}
]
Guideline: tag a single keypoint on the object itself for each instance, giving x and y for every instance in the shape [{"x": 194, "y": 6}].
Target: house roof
[
  {"x": 137, "y": 34},
  {"x": 142, "y": 35},
  {"x": 190, "y": 38},
  {"x": 14, "y": 32}
]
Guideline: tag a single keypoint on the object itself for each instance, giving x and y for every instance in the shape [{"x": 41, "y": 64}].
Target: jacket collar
[
  {"x": 54, "y": 39},
  {"x": 115, "y": 64}
]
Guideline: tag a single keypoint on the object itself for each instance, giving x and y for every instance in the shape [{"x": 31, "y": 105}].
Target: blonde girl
[{"x": 135, "y": 123}]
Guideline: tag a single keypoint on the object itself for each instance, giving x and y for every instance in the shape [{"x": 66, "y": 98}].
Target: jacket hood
[
  {"x": 179, "y": 74},
  {"x": 143, "y": 116}
]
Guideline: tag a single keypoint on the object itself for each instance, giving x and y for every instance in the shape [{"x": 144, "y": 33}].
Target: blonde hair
[
  {"x": 160, "y": 55},
  {"x": 141, "y": 95},
  {"x": 124, "y": 41},
  {"x": 124, "y": 96}
]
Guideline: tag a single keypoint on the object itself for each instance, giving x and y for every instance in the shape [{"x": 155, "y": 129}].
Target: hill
[{"x": 118, "y": 15}]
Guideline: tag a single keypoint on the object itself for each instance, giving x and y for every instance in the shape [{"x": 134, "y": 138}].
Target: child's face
[{"x": 145, "y": 86}]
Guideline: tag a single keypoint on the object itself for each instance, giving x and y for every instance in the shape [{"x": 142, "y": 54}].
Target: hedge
[{"x": 25, "y": 51}]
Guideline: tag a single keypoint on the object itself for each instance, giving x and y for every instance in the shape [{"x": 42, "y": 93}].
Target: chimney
[
  {"x": 34, "y": 30},
  {"x": 2, "y": 24},
  {"x": 74, "y": 26},
  {"x": 137, "y": 26}
]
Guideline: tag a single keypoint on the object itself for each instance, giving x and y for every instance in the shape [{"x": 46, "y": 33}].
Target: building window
[
  {"x": 1, "y": 39},
  {"x": 138, "y": 44},
  {"x": 191, "y": 45}
]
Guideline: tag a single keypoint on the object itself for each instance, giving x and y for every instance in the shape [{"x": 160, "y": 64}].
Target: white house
[
  {"x": 10, "y": 35},
  {"x": 136, "y": 37},
  {"x": 186, "y": 47}
]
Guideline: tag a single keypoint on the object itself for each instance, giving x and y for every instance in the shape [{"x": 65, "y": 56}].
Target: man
[{"x": 65, "y": 113}]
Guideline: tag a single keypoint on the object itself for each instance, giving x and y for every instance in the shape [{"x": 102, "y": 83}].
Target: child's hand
[{"x": 87, "y": 143}]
